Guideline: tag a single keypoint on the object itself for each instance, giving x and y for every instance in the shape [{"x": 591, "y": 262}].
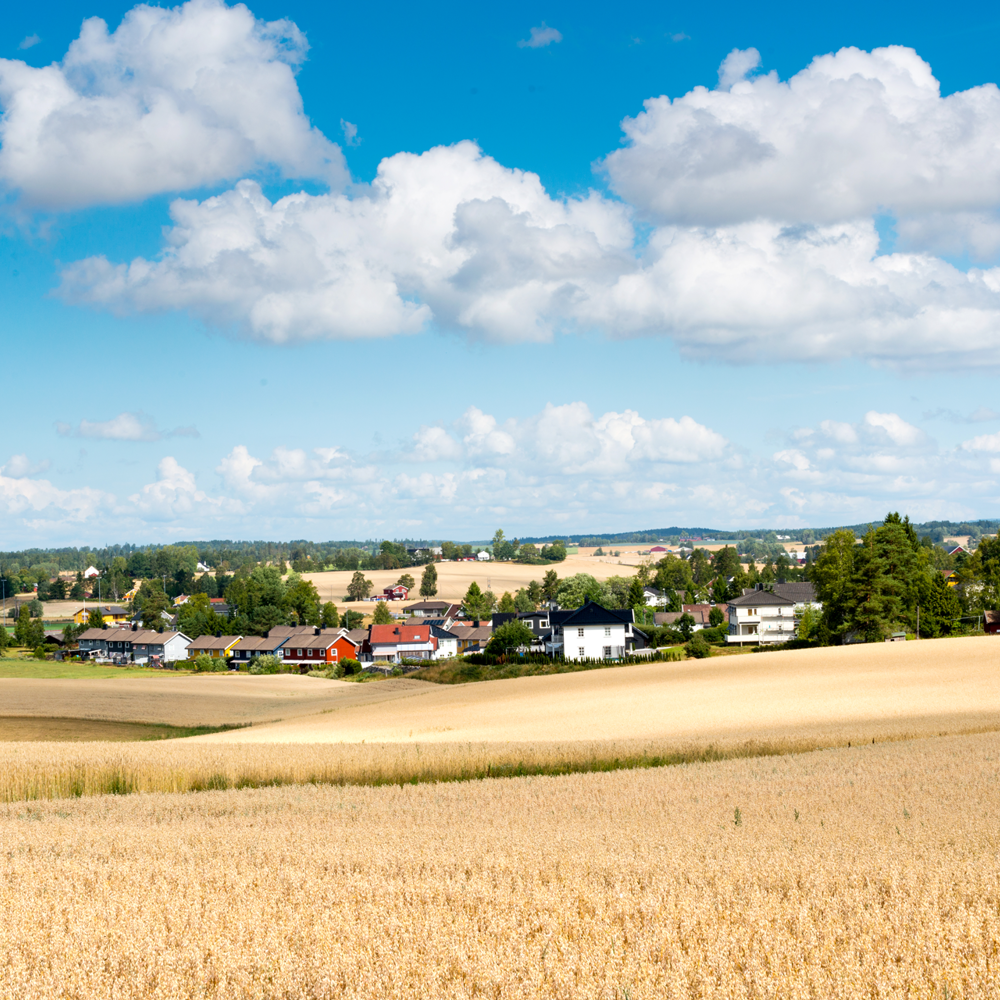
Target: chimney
[
  {"x": 104, "y": 625},
  {"x": 267, "y": 634},
  {"x": 135, "y": 626},
  {"x": 475, "y": 623},
  {"x": 218, "y": 635},
  {"x": 316, "y": 630}
]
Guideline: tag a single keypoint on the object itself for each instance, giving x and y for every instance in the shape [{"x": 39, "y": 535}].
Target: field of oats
[{"x": 868, "y": 872}]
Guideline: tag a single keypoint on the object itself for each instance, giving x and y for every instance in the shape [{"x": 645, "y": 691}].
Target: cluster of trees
[{"x": 890, "y": 580}]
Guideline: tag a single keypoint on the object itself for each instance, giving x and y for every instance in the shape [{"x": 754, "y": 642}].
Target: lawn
[{"x": 50, "y": 669}]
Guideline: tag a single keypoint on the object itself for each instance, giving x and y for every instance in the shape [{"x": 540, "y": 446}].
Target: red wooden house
[{"x": 397, "y": 593}]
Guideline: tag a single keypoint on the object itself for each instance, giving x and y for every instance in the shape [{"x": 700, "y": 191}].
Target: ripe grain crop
[{"x": 867, "y": 872}]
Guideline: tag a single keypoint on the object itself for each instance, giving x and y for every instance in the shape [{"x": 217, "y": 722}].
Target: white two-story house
[
  {"x": 769, "y": 616},
  {"x": 592, "y": 632}
]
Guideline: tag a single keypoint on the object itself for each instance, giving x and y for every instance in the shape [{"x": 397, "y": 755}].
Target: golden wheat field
[{"x": 868, "y": 872}]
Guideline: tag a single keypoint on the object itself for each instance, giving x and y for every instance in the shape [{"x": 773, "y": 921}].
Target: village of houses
[{"x": 434, "y": 630}]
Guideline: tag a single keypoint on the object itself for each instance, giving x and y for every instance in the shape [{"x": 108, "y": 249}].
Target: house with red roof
[{"x": 393, "y": 643}]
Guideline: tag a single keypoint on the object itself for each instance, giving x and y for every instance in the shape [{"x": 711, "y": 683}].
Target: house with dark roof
[
  {"x": 762, "y": 616},
  {"x": 261, "y": 645},
  {"x": 447, "y": 642},
  {"x": 433, "y": 609},
  {"x": 593, "y": 632}
]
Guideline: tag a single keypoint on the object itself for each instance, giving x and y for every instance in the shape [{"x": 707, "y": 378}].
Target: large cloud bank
[{"x": 764, "y": 197}]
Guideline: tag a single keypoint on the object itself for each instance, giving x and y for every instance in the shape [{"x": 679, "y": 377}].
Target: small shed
[
  {"x": 991, "y": 622},
  {"x": 897, "y": 637}
]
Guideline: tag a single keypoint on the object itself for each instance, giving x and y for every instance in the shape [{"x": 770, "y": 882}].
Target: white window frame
[
  {"x": 579, "y": 632},
  {"x": 583, "y": 652},
  {"x": 607, "y": 652},
  {"x": 607, "y": 631}
]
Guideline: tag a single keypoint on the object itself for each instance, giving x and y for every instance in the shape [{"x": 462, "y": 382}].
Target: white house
[
  {"x": 162, "y": 647},
  {"x": 592, "y": 632},
  {"x": 447, "y": 643},
  {"x": 90, "y": 572},
  {"x": 483, "y": 556},
  {"x": 769, "y": 616}
]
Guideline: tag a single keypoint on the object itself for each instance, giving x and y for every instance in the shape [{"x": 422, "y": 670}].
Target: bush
[
  {"x": 349, "y": 666},
  {"x": 716, "y": 636},
  {"x": 265, "y": 665},
  {"x": 203, "y": 664},
  {"x": 698, "y": 647}
]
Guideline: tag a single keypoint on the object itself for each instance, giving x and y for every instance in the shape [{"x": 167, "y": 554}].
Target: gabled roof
[
  {"x": 761, "y": 598},
  {"x": 800, "y": 593},
  {"x": 442, "y": 633},
  {"x": 286, "y": 630},
  {"x": 592, "y": 613},
  {"x": 207, "y": 642},
  {"x": 261, "y": 644},
  {"x": 357, "y": 635},
  {"x": 470, "y": 633},
  {"x": 148, "y": 637},
  {"x": 313, "y": 641},
  {"x": 393, "y": 634}
]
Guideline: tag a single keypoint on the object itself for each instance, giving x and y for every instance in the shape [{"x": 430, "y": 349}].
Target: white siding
[{"x": 594, "y": 642}]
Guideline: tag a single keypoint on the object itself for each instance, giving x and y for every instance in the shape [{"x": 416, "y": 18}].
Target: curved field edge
[{"x": 42, "y": 771}]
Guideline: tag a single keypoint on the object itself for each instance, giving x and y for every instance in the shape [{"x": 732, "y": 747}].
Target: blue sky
[{"x": 500, "y": 289}]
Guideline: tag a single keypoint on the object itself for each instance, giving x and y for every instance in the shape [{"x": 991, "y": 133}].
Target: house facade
[
  {"x": 213, "y": 645},
  {"x": 433, "y": 609},
  {"x": 447, "y": 642},
  {"x": 396, "y": 593},
  {"x": 109, "y": 612},
  {"x": 593, "y": 632},
  {"x": 389, "y": 644},
  {"x": 769, "y": 616},
  {"x": 259, "y": 645}
]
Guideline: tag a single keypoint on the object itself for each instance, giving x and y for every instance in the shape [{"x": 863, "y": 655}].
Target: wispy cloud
[
  {"x": 540, "y": 37},
  {"x": 27, "y": 43},
  {"x": 124, "y": 427},
  {"x": 350, "y": 131}
]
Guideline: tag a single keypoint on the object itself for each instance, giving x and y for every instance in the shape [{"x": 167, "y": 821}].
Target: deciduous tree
[
  {"x": 359, "y": 588},
  {"x": 382, "y": 614},
  {"x": 429, "y": 581}
]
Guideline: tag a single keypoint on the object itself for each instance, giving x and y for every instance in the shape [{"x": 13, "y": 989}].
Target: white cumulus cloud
[
  {"x": 172, "y": 99},
  {"x": 852, "y": 134},
  {"x": 449, "y": 234}
]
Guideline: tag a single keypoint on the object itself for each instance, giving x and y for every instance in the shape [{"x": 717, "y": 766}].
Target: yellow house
[
  {"x": 213, "y": 645},
  {"x": 110, "y": 612}
]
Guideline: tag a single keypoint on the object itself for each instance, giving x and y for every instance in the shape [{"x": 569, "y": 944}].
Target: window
[
  {"x": 607, "y": 630},
  {"x": 583, "y": 652},
  {"x": 299, "y": 652},
  {"x": 579, "y": 632},
  {"x": 607, "y": 651},
  {"x": 544, "y": 623}
]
